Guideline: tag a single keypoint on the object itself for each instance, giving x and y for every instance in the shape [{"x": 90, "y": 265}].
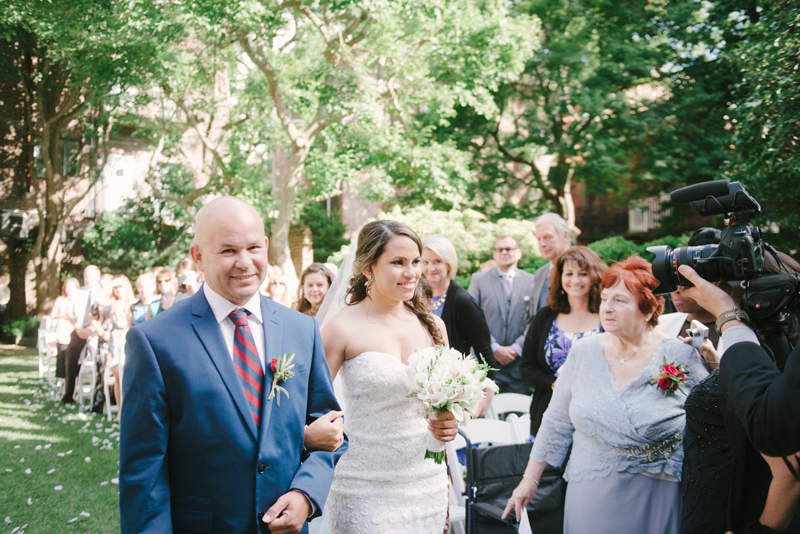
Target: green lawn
[{"x": 56, "y": 473}]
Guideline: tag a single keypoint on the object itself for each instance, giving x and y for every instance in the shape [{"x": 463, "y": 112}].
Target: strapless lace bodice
[{"x": 383, "y": 483}]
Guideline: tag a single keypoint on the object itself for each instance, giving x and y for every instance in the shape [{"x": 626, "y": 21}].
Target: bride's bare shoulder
[{"x": 345, "y": 320}]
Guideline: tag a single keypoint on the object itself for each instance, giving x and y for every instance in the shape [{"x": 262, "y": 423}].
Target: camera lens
[{"x": 667, "y": 261}]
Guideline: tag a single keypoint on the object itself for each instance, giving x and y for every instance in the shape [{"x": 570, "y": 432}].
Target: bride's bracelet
[{"x": 531, "y": 479}]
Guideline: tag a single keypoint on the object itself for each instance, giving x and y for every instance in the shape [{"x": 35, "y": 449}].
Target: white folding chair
[
  {"x": 87, "y": 377},
  {"x": 108, "y": 386},
  {"x": 504, "y": 403},
  {"x": 490, "y": 431},
  {"x": 521, "y": 425},
  {"x": 46, "y": 346}
]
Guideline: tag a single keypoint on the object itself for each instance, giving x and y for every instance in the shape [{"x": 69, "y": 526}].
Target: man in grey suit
[
  {"x": 552, "y": 233},
  {"x": 504, "y": 295}
]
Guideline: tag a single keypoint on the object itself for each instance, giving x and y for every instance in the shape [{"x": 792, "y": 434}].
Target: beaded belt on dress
[{"x": 650, "y": 452}]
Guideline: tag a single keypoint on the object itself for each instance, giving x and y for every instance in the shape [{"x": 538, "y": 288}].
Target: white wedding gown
[{"x": 383, "y": 483}]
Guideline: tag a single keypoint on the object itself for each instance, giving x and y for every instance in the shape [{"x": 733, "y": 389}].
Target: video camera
[{"x": 739, "y": 257}]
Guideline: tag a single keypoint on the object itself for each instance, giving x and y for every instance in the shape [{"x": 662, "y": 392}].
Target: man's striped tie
[{"x": 248, "y": 366}]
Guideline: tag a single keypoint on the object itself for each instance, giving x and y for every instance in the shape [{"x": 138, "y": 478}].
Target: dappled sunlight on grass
[{"x": 58, "y": 465}]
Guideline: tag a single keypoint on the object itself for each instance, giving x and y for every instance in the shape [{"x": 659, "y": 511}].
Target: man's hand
[
  {"x": 707, "y": 295},
  {"x": 288, "y": 514},
  {"x": 326, "y": 433},
  {"x": 83, "y": 333},
  {"x": 483, "y": 407},
  {"x": 444, "y": 427},
  {"x": 505, "y": 355}
]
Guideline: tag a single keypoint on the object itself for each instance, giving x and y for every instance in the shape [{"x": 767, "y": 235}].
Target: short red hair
[{"x": 637, "y": 274}]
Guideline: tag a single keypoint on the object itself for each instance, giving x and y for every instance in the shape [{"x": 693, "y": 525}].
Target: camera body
[
  {"x": 697, "y": 333},
  {"x": 737, "y": 259}
]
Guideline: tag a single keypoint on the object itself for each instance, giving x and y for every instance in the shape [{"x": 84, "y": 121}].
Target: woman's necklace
[
  {"x": 439, "y": 303},
  {"x": 623, "y": 360}
]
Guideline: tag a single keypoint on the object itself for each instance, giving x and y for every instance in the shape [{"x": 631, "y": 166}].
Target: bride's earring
[{"x": 368, "y": 285}]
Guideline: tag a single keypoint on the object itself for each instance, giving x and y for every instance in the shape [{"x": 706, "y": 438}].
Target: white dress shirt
[{"x": 222, "y": 307}]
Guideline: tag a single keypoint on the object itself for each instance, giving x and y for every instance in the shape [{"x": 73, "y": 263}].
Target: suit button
[
  {"x": 261, "y": 516},
  {"x": 261, "y": 469}
]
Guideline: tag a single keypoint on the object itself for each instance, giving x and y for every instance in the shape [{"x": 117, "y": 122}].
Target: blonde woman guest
[
  {"x": 142, "y": 309},
  {"x": 463, "y": 318},
  {"x": 314, "y": 284},
  {"x": 116, "y": 328},
  {"x": 279, "y": 291}
]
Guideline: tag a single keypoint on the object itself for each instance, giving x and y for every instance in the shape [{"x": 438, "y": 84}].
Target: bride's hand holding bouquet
[{"x": 450, "y": 386}]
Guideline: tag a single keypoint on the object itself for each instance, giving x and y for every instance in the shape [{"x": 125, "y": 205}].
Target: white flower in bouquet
[{"x": 445, "y": 380}]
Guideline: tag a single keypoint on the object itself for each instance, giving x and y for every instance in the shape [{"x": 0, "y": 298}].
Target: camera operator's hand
[{"x": 707, "y": 295}]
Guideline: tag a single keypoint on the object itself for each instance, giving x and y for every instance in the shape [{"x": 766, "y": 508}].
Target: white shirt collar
[
  {"x": 222, "y": 307},
  {"x": 510, "y": 274}
]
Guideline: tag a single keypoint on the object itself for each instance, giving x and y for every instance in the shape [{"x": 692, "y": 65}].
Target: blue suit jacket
[{"x": 191, "y": 459}]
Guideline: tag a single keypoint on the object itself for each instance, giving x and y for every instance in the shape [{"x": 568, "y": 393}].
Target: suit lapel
[
  {"x": 499, "y": 293},
  {"x": 273, "y": 338},
  {"x": 207, "y": 330}
]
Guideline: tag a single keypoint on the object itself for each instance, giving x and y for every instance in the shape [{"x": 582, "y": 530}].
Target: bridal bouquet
[{"x": 445, "y": 380}]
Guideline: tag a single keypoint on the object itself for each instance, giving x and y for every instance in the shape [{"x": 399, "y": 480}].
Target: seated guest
[
  {"x": 314, "y": 284},
  {"x": 463, "y": 318},
  {"x": 572, "y": 312},
  {"x": 624, "y": 429}
]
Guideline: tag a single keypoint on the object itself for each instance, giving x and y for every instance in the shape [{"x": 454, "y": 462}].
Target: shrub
[
  {"x": 327, "y": 232},
  {"x": 22, "y": 327}
]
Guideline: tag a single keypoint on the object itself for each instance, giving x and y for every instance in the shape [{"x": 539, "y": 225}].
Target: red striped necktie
[{"x": 247, "y": 363}]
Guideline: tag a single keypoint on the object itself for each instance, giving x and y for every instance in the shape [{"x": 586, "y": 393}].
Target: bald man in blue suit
[{"x": 194, "y": 454}]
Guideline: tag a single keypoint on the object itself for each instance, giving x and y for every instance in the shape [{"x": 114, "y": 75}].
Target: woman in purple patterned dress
[{"x": 572, "y": 312}]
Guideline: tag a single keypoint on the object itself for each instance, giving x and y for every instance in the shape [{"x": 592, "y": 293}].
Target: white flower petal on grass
[
  {"x": 58, "y": 488},
  {"x": 51, "y": 471},
  {"x": 37, "y": 448},
  {"x": 60, "y": 454},
  {"x": 84, "y": 514},
  {"x": 69, "y": 452},
  {"x": 8, "y": 520},
  {"x": 87, "y": 459},
  {"x": 16, "y": 446},
  {"x": 72, "y": 520},
  {"x": 48, "y": 445},
  {"x": 30, "y": 501},
  {"x": 104, "y": 483},
  {"x": 15, "y": 529},
  {"x": 9, "y": 470},
  {"x": 115, "y": 481},
  {"x": 28, "y": 471}
]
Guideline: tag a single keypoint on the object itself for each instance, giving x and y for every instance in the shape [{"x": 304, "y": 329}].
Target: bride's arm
[{"x": 334, "y": 340}]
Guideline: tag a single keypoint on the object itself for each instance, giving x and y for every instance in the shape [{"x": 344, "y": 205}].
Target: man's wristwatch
[{"x": 731, "y": 315}]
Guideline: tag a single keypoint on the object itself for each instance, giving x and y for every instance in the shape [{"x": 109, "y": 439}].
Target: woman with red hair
[{"x": 619, "y": 402}]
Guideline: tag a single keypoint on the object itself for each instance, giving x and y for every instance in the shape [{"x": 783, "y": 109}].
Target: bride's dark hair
[{"x": 371, "y": 243}]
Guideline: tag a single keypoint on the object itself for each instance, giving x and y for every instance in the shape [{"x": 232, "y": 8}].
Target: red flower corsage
[{"x": 670, "y": 377}]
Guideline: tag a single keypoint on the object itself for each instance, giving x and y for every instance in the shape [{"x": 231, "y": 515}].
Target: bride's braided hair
[{"x": 371, "y": 243}]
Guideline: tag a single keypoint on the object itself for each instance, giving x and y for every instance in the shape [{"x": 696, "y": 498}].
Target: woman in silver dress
[{"x": 626, "y": 432}]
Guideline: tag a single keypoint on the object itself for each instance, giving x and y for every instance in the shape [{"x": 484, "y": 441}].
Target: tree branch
[
  {"x": 257, "y": 56},
  {"x": 310, "y": 15}
]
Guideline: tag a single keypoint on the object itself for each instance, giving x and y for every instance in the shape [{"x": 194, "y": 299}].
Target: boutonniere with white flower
[{"x": 281, "y": 372}]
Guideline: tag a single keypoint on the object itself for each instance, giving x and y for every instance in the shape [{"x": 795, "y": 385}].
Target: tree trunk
[
  {"x": 279, "y": 244},
  {"x": 48, "y": 265}
]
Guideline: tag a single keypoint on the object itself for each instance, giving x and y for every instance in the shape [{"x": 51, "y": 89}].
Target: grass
[{"x": 55, "y": 443}]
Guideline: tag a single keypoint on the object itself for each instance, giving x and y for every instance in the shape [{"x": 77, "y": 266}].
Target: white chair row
[{"x": 505, "y": 403}]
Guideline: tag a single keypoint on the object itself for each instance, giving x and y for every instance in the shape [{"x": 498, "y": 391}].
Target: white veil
[{"x": 335, "y": 300}]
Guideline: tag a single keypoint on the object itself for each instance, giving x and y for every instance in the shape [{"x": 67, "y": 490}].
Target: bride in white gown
[{"x": 383, "y": 483}]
